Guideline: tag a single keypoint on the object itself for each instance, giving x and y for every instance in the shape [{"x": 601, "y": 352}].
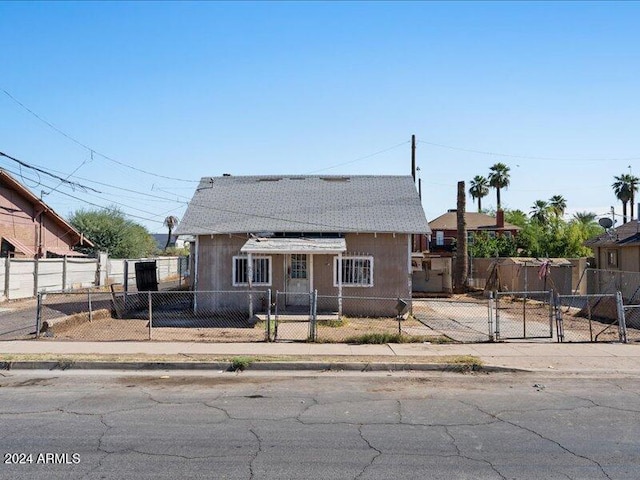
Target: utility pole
[{"x": 413, "y": 157}]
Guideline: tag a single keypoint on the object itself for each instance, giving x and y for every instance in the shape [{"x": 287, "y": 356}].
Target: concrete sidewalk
[{"x": 610, "y": 358}]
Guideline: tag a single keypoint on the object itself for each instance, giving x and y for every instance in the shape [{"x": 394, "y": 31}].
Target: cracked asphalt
[{"x": 168, "y": 425}]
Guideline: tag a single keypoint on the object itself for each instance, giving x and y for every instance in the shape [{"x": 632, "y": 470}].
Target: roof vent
[
  {"x": 335, "y": 179},
  {"x": 270, "y": 179}
]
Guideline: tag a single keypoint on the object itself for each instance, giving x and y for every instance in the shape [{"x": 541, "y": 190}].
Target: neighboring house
[
  {"x": 618, "y": 249},
  {"x": 29, "y": 228},
  {"x": 177, "y": 241},
  {"x": 161, "y": 240},
  {"x": 340, "y": 235},
  {"x": 444, "y": 229}
]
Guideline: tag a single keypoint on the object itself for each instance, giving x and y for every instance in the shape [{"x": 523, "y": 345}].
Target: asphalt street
[{"x": 167, "y": 425}]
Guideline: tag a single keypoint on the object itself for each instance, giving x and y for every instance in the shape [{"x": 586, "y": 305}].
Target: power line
[
  {"x": 94, "y": 204},
  {"x": 57, "y": 177},
  {"x": 91, "y": 150},
  {"x": 360, "y": 158},
  {"x": 527, "y": 157}
]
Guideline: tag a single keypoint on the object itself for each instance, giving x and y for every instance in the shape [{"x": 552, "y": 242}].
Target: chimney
[{"x": 500, "y": 218}]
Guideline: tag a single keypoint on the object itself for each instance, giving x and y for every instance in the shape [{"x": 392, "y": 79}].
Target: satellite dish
[{"x": 605, "y": 222}]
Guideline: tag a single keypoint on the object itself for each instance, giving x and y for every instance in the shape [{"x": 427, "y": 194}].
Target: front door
[{"x": 298, "y": 279}]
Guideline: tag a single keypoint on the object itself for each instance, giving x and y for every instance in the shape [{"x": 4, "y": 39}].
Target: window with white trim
[
  {"x": 356, "y": 271},
  {"x": 261, "y": 271},
  {"x": 439, "y": 238}
]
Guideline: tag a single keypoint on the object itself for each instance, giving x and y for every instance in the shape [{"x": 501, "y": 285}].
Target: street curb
[{"x": 258, "y": 366}]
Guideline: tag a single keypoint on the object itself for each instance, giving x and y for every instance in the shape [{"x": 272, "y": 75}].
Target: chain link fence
[
  {"x": 256, "y": 316},
  {"x": 523, "y": 315},
  {"x": 467, "y": 320},
  {"x": 604, "y": 282},
  {"x": 163, "y": 316},
  {"x": 588, "y": 318},
  {"x": 632, "y": 322}
]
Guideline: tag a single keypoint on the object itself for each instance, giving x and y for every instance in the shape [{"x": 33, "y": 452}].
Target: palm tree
[
  {"x": 540, "y": 211},
  {"x": 622, "y": 187},
  {"x": 170, "y": 222},
  {"x": 558, "y": 205},
  {"x": 498, "y": 179},
  {"x": 584, "y": 218},
  {"x": 633, "y": 188},
  {"x": 479, "y": 188}
]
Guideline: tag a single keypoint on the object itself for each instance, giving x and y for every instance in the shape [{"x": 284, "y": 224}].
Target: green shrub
[{"x": 238, "y": 364}]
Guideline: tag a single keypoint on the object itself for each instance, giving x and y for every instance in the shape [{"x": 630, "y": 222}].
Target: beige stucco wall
[{"x": 391, "y": 274}]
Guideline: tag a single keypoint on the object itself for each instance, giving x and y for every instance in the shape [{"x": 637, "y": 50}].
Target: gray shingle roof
[
  {"x": 381, "y": 204},
  {"x": 627, "y": 234}
]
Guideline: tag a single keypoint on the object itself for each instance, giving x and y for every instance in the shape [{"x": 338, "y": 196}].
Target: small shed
[{"x": 527, "y": 274}]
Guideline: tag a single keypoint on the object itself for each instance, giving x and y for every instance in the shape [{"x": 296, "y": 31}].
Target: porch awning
[{"x": 318, "y": 246}]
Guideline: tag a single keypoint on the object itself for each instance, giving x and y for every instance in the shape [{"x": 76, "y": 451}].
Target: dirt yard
[{"x": 111, "y": 329}]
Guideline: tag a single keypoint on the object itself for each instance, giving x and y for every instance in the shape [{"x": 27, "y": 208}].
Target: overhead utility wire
[
  {"x": 57, "y": 177},
  {"x": 156, "y": 197},
  {"x": 100, "y": 198},
  {"x": 91, "y": 150},
  {"x": 361, "y": 158},
  {"x": 528, "y": 157}
]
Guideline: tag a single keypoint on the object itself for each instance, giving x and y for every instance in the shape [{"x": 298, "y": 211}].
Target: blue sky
[{"x": 186, "y": 90}]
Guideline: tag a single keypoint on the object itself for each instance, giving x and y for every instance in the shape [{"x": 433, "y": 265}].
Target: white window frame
[
  {"x": 439, "y": 238},
  {"x": 254, "y": 259},
  {"x": 352, "y": 258}
]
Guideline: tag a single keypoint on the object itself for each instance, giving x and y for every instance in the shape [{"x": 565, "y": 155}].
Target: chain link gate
[
  {"x": 295, "y": 317},
  {"x": 590, "y": 318},
  {"x": 521, "y": 315}
]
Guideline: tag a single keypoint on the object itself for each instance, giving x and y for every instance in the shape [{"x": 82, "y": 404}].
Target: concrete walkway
[{"x": 594, "y": 358}]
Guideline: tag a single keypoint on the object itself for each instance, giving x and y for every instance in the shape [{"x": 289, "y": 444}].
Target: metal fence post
[
  {"x": 552, "y": 307},
  {"x": 622, "y": 322},
  {"x": 268, "y": 331},
  {"x": 275, "y": 319},
  {"x": 497, "y": 305},
  {"x": 89, "y": 304},
  {"x": 150, "y": 314},
  {"x": 559, "y": 324},
  {"x": 39, "y": 315},
  {"x": 490, "y": 317},
  {"x": 314, "y": 316},
  {"x": 524, "y": 311}
]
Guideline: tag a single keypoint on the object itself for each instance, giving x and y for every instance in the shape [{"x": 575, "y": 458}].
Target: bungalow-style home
[
  {"x": 29, "y": 228},
  {"x": 618, "y": 249},
  {"x": 445, "y": 229},
  {"x": 344, "y": 236}
]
